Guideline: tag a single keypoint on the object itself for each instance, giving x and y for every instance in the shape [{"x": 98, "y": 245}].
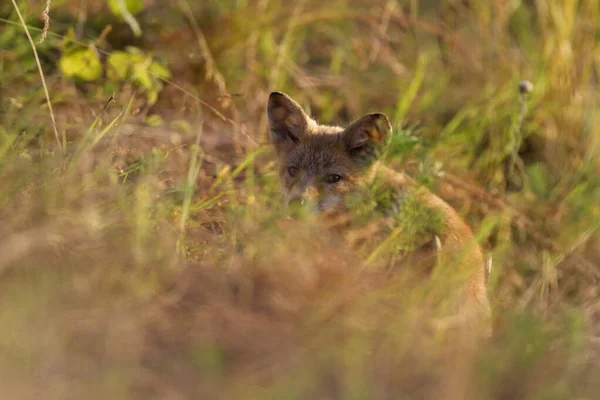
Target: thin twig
[
  {"x": 39, "y": 65},
  {"x": 109, "y": 101},
  {"x": 212, "y": 71},
  {"x": 381, "y": 32}
]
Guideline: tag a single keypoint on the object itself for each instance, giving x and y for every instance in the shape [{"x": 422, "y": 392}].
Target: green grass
[{"x": 153, "y": 257}]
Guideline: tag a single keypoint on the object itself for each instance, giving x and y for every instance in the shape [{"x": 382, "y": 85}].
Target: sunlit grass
[{"x": 158, "y": 262}]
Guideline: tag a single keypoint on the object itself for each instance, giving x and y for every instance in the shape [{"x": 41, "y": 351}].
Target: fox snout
[
  {"x": 314, "y": 200},
  {"x": 307, "y": 195}
]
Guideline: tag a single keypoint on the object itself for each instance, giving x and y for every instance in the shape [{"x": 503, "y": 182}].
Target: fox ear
[
  {"x": 287, "y": 120},
  {"x": 366, "y": 139}
]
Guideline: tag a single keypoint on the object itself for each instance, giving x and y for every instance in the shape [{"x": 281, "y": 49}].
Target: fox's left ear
[{"x": 366, "y": 139}]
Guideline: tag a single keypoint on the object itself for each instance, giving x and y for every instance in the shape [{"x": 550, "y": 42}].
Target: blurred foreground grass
[{"x": 151, "y": 258}]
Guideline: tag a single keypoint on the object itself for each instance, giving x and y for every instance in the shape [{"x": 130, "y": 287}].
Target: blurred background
[{"x": 143, "y": 249}]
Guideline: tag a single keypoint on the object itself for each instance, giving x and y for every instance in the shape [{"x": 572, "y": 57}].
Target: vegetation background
[{"x": 144, "y": 252}]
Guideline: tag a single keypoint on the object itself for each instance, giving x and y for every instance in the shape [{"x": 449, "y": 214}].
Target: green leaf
[
  {"x": 132, "y": 6},
  {"x": 125, "y": 9},
  {"x": 159, "y": 70},
  {"x": 118, "y": 66},
  {"x": 81, "y": 64},
  {"x": 140, "y": 68}
]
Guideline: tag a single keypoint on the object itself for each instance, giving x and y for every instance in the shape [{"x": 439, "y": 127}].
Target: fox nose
[{"x": 302, "y": 198}]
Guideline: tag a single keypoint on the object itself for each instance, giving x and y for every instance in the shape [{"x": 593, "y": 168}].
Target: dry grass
[{"x": 157, "y": 261}]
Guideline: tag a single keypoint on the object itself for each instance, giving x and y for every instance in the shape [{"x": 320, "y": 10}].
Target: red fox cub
[{"x": 322, "y": 167}]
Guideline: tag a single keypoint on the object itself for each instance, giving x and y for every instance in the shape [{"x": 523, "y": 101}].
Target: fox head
[{"x": 319, "y": 164}]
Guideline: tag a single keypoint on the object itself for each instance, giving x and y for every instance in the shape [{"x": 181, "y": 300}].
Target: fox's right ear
[{"x": 287, "y": 120}]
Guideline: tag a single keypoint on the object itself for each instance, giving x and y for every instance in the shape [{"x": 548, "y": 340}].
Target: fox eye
[
  {"x": 333, "y": 178},
  {"x": 293, "y": 171}
]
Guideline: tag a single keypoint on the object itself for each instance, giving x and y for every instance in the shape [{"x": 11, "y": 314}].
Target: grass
[
  {"x": 152, "y": 257},
  {"x": 37, "y": 60}
]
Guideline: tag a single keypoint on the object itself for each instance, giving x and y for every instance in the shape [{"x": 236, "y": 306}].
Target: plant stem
[{"x": 39, "y": 65}]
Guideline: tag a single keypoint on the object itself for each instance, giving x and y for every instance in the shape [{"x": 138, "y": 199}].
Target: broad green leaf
[
  {"x": 82, "y": 64},
  {"x": 159, "y": 70},
  {"x": 119, "y": 66},
  {"x": 140, "y": 68}
]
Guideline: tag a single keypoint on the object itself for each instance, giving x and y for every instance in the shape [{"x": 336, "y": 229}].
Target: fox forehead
[{"x": 319, "y": 152}]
